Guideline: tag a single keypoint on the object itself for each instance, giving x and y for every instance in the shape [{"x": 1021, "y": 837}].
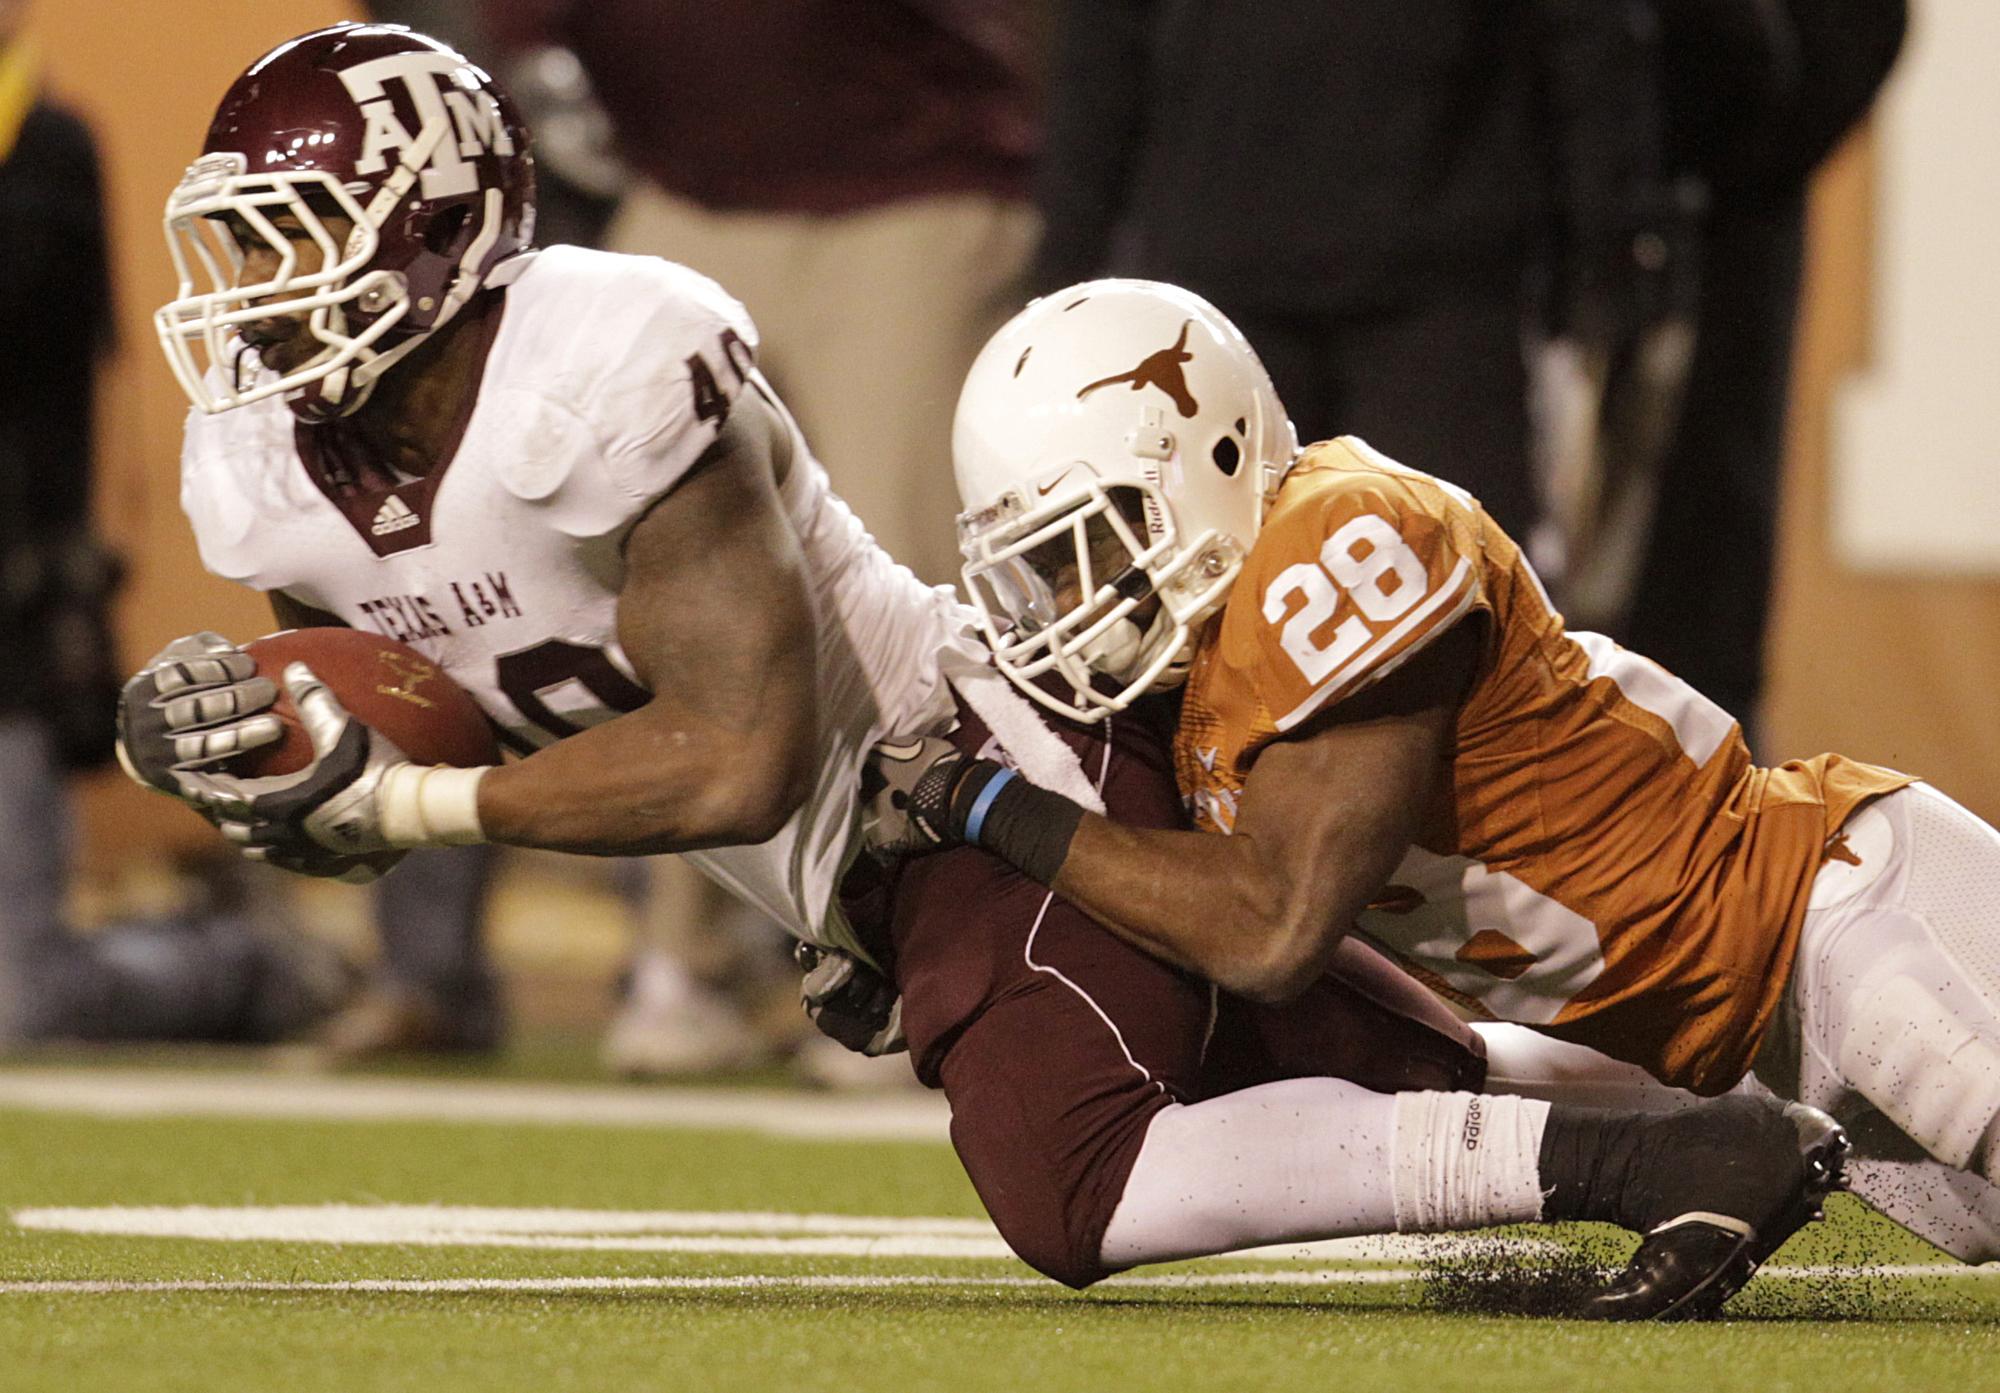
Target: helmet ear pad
[{"x": 447, "y": 233}]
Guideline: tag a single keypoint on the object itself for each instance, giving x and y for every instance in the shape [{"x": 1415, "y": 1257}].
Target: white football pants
[{"x": 1892, "y": 1022}]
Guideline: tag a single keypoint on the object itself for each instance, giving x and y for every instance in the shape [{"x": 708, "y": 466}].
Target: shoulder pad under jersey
[
  {"x": 1357, "y": 568},
  {"x": 241, "y": 488},
  {"x": 647, "y": 356}
]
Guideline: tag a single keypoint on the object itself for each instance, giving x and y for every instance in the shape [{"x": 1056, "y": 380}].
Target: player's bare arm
[
  {"x": 735, "y": 672},
  {"x": 723, "y": 753},
  {"x": 1325, "y": 816}
]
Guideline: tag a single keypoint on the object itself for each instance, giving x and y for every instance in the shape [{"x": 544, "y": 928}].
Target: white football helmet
[{"x": 1116, "y": 443}]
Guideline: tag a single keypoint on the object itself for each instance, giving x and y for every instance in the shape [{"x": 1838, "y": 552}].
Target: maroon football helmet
[{"x": 398, "y": 133}]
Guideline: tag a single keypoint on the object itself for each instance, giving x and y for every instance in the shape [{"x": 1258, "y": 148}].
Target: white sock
[
  {"x": 1466, "y": 1160},
  {"x": 1284, "y": 1162},
  {"x": 1308, "y": 1159}
]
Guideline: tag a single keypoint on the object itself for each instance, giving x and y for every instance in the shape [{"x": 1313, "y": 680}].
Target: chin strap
[{"x": 361, "y": 376}]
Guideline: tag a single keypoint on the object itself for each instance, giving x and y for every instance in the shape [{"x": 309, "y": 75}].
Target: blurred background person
[
  {"x": 857, "y": 174},
  {"x": 1547, "y": 249},
  {"x": 1757, "y": 95},
  {"x": 1371, "y": 192},
  {"x": 204, "y": 975}
]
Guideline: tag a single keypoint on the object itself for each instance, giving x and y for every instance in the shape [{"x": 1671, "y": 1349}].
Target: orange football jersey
[{"x": 1614, "y": 869}]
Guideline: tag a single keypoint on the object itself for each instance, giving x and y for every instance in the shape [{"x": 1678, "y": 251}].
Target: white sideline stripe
[
  {"x": 1189, "y": 1281},
  {"x": 1193, "y": 1281},
  {"x": 193, "y": 1093},
  {"x": 744, "y": 1233}
]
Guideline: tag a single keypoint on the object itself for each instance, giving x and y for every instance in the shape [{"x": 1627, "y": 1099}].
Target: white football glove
[
  {"x": 195, "y": 703},
  {"x": 359, "y": 797}
]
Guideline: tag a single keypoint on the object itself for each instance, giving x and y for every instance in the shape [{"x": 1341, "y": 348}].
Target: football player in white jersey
[{"x": 559, "y": 474}]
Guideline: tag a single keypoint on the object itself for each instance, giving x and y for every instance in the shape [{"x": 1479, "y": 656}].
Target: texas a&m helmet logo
[{"x": 460, "y": 120}]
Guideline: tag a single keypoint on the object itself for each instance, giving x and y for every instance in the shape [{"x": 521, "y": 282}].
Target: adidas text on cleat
[{"x": 1753, "y": 1173}]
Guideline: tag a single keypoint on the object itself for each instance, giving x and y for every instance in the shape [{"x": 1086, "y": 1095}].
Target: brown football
[{"x": 387, "y": 684}]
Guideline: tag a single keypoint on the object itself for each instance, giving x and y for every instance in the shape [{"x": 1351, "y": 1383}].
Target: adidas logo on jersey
[{"x": 393, "y": 516}]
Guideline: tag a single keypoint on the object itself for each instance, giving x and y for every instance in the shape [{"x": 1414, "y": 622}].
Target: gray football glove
[
  {"x": 327, "y": 865},
  {"x": 195, "y": 703},
  {"x": 906, "y": 797},
  {"x": 850, "y": 1001},
  {"x": 331, "y": 805}
]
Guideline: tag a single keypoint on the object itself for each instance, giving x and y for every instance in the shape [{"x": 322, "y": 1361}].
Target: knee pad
[
  {"x": 1954, "y": 873},
  {"x": 1927, "y": 1072}
]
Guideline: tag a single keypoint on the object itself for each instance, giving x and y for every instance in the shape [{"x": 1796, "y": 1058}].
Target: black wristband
[{"x": 1030, "y": 828}]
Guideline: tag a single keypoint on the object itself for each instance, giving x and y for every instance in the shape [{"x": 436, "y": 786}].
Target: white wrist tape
[{"x": 431, "y": 805}]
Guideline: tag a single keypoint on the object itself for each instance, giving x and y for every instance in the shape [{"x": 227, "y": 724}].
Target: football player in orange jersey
[{"x": 1385, "y": 711}]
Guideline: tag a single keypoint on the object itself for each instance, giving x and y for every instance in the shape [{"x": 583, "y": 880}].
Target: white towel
[{"x": 1042, "y": 756}]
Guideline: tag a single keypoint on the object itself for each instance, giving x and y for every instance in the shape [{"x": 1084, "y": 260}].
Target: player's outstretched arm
[
  {"x": 1324, "y": 818},
  {"x": 716, "y": 615}
]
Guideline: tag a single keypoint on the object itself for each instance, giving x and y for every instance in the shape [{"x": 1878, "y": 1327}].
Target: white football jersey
[{"x": 607, "y": 377}]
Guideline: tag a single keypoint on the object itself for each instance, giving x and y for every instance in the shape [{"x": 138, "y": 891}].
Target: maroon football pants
[{"x": 1057, "y": 1043}]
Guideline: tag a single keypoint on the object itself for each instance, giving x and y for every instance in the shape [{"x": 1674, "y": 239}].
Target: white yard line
[
  {"x": 1182, "y": 1281},
  {"x": 1191, "y": 1281},
  {"x": 745, "y": 1233},
  {"x": 908, "y": 1116}
]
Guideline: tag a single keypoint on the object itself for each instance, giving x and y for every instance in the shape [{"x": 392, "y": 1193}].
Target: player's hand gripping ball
[
  {"x": 285, "y": 743},
  {"x": 196, "y": 704},
  {"x": 388, "y": 686}
]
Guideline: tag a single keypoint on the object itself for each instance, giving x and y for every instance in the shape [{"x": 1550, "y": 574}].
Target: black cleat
[{"x": 1734, "y": 1180}]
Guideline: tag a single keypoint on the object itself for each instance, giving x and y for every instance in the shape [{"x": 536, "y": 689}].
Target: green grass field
[{"x": 751, "y": 1240}]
